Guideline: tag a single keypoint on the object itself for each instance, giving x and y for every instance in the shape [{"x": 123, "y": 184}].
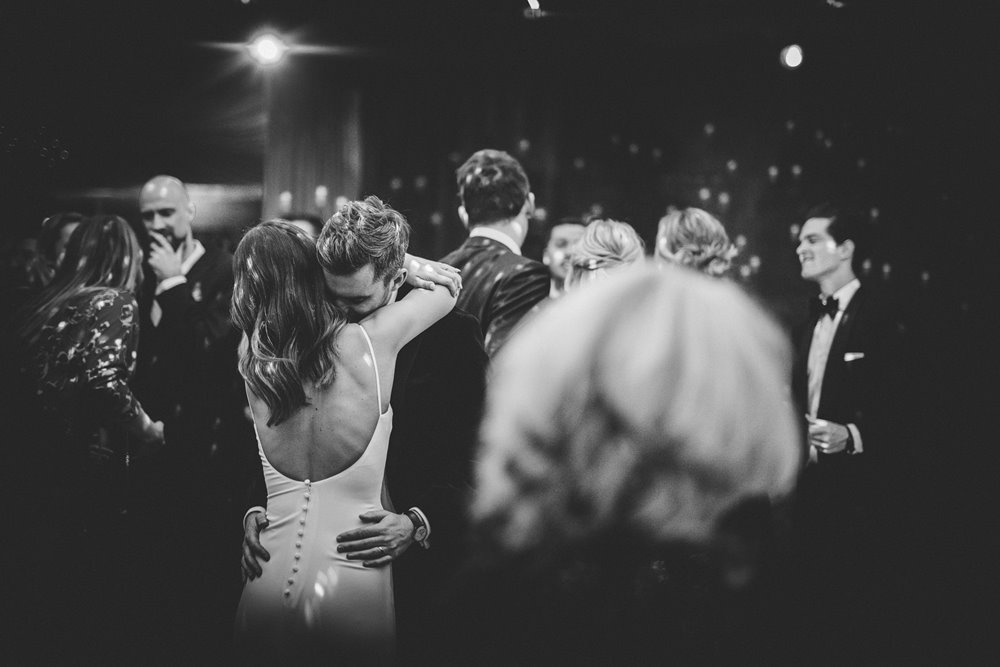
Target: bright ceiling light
[
  {"x": 267, "y": 49},
  {"x": 791, "y": 56}
]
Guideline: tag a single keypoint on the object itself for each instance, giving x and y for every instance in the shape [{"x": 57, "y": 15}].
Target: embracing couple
[{"x": 324, "y": 339}]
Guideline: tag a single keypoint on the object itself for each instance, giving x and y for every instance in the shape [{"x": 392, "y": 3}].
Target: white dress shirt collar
[
  {"x": 846, "y": 293},
  {"x": 496, "y": 235}
]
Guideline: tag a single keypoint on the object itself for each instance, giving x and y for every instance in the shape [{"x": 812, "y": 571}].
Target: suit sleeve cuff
[
  {"x": 856, "y": 434},
  {"x": 168, "y": 283},
  {"x": 255, "y": 508},
  {"x": 427, "y": 523}
]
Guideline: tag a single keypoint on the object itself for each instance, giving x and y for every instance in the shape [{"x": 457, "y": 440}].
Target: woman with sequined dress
[
  {"x": 319, "y": 388},
  {"x": 72, "y": 422}
]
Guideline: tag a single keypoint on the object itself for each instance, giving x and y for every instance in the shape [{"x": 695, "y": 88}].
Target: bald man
[
  {"x": 191, "y": 341},
  {"x": 188, "y": 378}
]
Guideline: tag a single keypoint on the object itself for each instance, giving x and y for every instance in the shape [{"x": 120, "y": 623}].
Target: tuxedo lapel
[{"x": 834, "y": 377}]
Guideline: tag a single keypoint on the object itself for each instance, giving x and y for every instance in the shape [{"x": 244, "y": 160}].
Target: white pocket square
[{"x": 853, "y": 356}]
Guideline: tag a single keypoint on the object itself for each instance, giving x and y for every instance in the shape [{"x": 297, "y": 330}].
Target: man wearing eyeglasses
[{"x": 187, "y": 376}]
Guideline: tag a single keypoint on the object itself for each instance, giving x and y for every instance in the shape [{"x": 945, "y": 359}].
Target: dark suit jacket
[
  {"x": 498, "y": 286},
  {"x": 187, "y": 372},
  {"x": 860, "y": 390}
]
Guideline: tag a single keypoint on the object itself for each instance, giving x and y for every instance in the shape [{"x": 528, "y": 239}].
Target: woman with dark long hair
[
  {"x": 318, "y": 388},
  {"x": 74, "y": 422}
]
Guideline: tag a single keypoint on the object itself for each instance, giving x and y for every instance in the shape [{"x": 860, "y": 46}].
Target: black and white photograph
[{"x": 498, "y": 332}]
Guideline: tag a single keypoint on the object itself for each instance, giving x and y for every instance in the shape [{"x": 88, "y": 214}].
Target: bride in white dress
[{"x": 319, "y": 389}]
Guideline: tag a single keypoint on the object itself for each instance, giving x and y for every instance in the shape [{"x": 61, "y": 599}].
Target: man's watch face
[{"x": 420, "y": 534}]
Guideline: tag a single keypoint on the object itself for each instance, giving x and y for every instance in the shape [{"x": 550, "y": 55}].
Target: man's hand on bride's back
[
  {"x": 424, "y": 273},
  {"x": 384, "y": 537},
  {"x": 253, "y": 552}
]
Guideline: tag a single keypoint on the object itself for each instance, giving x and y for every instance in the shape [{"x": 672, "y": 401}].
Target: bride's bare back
[{"x": 339, "y": 420}]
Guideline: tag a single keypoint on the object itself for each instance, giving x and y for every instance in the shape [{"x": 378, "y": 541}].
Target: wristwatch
[{"x": 419, "y": 527}]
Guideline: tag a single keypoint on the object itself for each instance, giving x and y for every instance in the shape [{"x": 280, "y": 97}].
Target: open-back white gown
[{"x": 310, "y": 602}]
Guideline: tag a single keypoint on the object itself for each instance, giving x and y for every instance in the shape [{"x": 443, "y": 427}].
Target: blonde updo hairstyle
[
  {"x": 605, "y": 245},
  {"x": 695, "y": 238},
  {"x": 650, "y": 403}
]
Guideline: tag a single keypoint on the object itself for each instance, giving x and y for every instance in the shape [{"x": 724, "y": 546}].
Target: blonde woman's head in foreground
[
  {"x": 605, "y": 246},
  {"x": 650, "y": 403},
  {"x": 695, "y": 238}
]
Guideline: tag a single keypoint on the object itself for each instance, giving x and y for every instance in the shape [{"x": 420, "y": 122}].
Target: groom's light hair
[{"x": 362, "y": 233}]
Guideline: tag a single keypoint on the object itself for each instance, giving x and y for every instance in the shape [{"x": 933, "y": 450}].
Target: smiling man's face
[{"x": 819, "y": 254}]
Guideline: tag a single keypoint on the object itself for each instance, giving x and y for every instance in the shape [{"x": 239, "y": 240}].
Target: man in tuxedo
[
  {"x": 189, "y": 343},
  {"x": 844, "y": 383},
  {"x": 437, "y": 398},
  {"x": 499, "y": 286},
  {"x": 187, "y": 377}
]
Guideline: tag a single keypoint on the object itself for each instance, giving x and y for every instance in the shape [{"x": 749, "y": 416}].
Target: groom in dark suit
[
  {"x": 499, "y": 285},
  {"x": 844, "y": 383},
  {"x": 437, "y": 398}
]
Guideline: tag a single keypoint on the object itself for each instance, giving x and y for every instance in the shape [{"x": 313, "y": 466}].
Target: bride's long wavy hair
[{"x": 290, "y": 327}]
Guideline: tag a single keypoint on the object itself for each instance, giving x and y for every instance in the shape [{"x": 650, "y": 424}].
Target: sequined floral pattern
[{"x": 82, "y": 360}]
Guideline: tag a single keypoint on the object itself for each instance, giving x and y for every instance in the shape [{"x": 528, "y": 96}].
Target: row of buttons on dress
[{"x": 298, "y": 542}]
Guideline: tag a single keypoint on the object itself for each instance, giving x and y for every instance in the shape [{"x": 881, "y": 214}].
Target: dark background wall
[{"x": 621, "y": 108}]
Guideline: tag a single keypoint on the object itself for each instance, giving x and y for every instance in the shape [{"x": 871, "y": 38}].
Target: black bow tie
[{"x": 819, "y": 308}]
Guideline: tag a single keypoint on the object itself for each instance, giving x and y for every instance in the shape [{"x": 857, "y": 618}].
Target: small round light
[
  {"x": 704, "y": 194},
  {"x": 791, "y": 56}
]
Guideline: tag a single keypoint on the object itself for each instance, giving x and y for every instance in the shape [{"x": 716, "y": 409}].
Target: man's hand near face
[{"x": 163, "y": 259}]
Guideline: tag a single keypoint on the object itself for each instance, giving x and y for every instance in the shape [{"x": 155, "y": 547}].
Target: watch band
[{"x": 421, "y": 531}]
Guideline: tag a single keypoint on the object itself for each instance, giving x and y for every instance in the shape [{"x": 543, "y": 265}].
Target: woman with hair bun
[
  {"x": 606, "y": 245},
  {"x": 695, "y": 238}
]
